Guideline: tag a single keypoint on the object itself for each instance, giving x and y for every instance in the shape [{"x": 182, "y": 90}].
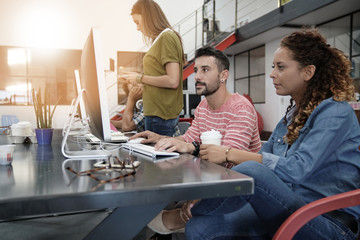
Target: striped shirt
[{"x": 236, "y": 120}]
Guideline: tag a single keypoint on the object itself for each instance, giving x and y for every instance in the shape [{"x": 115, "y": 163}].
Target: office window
[
  {"x": 250, "y": 74},
  {"x": 22, "y": 69},
  {"x": 356, "y": 35},
  {"x": 337, "y": 34},
  {"x": 340, "y": 35},
  {"x": 355, "y": 53}
]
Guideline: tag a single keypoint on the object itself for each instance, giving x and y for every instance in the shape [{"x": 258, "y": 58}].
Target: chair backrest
[
  {"x": 183, "y": 126},
  {"x": 304, "y": 214}
]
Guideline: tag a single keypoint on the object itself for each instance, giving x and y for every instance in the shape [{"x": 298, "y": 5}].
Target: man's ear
[
  {"x": 224, "y": 74},
  {"x": 309, "y": 72}
]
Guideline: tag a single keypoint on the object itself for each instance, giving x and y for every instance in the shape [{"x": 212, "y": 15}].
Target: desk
[{"x": 37, "y": 183}]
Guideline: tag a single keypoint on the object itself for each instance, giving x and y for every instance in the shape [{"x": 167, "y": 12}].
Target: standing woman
[{"x": 163, "y": 66}]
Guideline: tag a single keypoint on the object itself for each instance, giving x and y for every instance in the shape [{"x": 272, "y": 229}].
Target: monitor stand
[{"x": 94, "y": 154}]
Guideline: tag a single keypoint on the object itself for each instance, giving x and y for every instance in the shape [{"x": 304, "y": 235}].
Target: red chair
[{"x": 304, "y": 214}]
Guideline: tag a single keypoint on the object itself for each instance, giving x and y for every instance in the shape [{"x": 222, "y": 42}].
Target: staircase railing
[{"x": 218, "y": 20}]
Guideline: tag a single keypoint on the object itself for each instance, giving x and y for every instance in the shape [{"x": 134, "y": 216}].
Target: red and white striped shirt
[{"x": 236, "y": 120}]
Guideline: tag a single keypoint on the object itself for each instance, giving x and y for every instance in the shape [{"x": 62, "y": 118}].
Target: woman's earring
[{"x": 222, "y": 80}]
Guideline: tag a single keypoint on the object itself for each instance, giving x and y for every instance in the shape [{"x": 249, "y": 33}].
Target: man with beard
[{"x": 230, "y": 114}]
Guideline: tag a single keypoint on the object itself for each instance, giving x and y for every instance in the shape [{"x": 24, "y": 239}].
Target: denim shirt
[{"x": 325, "y": 159}]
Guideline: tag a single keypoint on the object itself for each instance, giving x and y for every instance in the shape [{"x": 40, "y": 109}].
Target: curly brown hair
[{"x": 331, "y": 77}]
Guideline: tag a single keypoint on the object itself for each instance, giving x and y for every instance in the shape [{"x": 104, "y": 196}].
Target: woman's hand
[
  {"x": 186, "y": 209},
  {"x": 213, "y": 153},
  {"x": 129, "y": 77}
]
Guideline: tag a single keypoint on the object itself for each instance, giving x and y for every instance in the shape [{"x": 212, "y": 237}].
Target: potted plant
[{"x": 44, "y": 115}]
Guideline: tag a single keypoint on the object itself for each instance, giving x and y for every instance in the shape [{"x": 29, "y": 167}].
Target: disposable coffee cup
[
  {"x": 6, "y": 154},
  {"x": 211, "y": 137}
]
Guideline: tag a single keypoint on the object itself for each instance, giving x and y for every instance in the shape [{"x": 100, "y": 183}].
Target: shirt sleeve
[
  {"x": 326, "y": 132},
  {"x": 170, "y": 48}
]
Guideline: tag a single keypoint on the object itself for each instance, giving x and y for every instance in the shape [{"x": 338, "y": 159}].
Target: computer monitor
[
  {"x": 77, "y": 109},
  {"x": 93, "y": 95},
  {"x": 81, "y": 107},
  {"x": 92, "y": 78}
]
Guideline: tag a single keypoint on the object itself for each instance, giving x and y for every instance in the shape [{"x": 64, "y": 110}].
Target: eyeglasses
[{"x": 119, "y": 167}]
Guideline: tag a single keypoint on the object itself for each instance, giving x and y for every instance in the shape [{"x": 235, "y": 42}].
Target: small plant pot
[{"x": 44, "y": 135}]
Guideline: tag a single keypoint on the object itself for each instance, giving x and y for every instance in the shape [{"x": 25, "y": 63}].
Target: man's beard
[{"x": 206, "y": 91}]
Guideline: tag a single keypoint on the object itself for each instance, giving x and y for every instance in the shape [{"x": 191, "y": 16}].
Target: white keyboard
[
  {"x": 118, "y": 136},
  {"x": 92, "y": 138},
  {"x": 147, "y": 150},
  {"x": 115, "y": 137}
]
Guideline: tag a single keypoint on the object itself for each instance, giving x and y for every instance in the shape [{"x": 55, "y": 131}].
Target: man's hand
[
  {"x": 151, "y": 137},
  {"x": 171, "y": 144},
  {"x": 117, "y": 124},
  {"x": 212, "y": 153},
  {"x": 136, "y": 93}
]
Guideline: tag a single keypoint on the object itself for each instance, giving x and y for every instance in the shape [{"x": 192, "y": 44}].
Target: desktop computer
[{"x": 91, "y": 102}]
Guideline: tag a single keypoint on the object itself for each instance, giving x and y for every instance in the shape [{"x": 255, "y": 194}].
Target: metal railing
[{"x": 217, "y": 18}]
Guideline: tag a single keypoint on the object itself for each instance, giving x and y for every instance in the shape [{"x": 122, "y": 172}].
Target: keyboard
[
  {"x": 115, "y": 137},
  {"x": 147, "y": 150},
  {"x": 118, "y": 136}
]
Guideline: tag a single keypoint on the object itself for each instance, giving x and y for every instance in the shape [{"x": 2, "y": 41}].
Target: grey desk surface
[{"x": 38, "y": 183}]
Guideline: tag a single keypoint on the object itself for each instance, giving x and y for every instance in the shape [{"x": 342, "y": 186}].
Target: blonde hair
[
  {"x": 154, "y": 20},
  {"x": 331, "y": 78}
]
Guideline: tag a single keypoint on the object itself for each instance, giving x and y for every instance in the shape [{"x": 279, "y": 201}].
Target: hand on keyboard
[{"x": 147, "y": 150}]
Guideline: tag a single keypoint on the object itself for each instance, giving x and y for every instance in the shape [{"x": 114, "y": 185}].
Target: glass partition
[
  {"x": 22, "y": 69},
  {"x": 250, "y": 74}
]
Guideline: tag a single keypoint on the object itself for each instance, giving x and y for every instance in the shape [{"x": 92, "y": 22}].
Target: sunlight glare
[
  {"x": 43, "y": 27},
  {"x": 20, "y": 88},
  {"x": 18, "y": 56}
]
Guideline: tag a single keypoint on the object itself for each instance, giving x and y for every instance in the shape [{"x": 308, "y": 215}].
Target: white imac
[
  {"x": 78, "y": 108},
  {"x": 92, "y": 78},
  {"x": 81, "y": 108},
  {"x": 93, "y": 95}
]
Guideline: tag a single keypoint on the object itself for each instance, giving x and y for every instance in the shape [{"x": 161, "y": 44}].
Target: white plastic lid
[
  {"x": 22, "y": 124},
  {"x": 213, "y": 134}
]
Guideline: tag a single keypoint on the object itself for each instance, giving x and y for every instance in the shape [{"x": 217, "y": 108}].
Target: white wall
[
  {"x": 275, "y": 106},
  {"x": 66, "y": 24}
]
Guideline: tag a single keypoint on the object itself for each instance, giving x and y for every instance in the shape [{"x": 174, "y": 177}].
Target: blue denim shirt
[{"x": 325, "y": 159}]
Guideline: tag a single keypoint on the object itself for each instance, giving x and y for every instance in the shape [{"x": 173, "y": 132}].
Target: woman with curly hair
[{"x": 314, "y": 152}]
